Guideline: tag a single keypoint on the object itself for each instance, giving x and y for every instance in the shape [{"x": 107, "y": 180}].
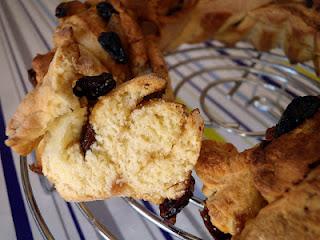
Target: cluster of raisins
[{"x": 93, "y": 87}]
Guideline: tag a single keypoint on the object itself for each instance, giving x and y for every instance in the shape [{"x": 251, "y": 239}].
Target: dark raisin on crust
[
  {"x": 111, "y": 42},
  {"x": 62, "y": 10},
  {"x": 309, "y": 3},
  {"x": 93, "y": 87},
  {"x": 105, "y": 10},
  {"x": 170, "y": 208},
  {"x": 176, "y": 8},
  {"x": 87, "y": 137},
  {"x": 215, "y": 232},
  {"x": 32, "y": 77},
  {"x": 34, "y": 167},
  {"x": 300, "y": 109}
]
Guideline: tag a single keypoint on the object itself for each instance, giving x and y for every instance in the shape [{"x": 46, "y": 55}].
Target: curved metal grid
[{"x": 250, "y": 73}]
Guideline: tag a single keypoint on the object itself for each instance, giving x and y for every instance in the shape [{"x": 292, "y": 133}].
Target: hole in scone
[{"x": 150, "y": 149}]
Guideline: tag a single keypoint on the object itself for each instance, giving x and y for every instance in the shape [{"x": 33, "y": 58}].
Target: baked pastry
[
  {"x": 267, "y": 24},
  {"x": 92, "y": 144},
  {"x": 79, "y": 52},
  {"x": 295, "y": 216},
  {"x": 139, "y": 148},
  {"x": 283, "y": 170},
  {"x": 52, "y": 98},
  {"x": 232, "y": 198},
  {"x": 286, "y": 159}
]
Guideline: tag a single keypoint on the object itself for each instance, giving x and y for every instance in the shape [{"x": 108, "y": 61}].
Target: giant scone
[
  {"x": 143, "y": 148},
  {"x": 92, "y": 143}
]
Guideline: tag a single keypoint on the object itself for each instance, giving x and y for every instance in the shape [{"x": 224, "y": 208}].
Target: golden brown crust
[
  {"x": 50, "y": 99},
  {"x": 295, "y": 216},
  {"x": 228, "y": 184},
  {"x": 286, "y": 160},
  {"x": 40, "y": 64},
  {"x": 267, "y": 24}
]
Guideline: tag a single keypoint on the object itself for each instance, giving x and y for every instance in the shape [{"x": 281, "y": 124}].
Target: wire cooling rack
[{"x": 255, "y": 86}]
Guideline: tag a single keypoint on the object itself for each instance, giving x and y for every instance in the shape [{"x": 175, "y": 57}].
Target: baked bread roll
[
  {"x": 295, "y": 216},
  {"x": 228, "y": 185},
  {"x": 144, "y": 149}
]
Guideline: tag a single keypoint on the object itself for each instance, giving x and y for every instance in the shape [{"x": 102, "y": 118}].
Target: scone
[
  {"x": 284, "y": 160},
  {"x": 81, "y": 49},
  {"x": 228, "y": 185},
  {"x": 292, "y": 25},
  {"x": 137, "y": 147},
  {"x": 295, "y": 216},
  {"x": 236, "y": 184}
]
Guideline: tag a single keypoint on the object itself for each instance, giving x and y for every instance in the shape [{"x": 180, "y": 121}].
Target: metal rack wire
[{"x": 267, "y": 80}]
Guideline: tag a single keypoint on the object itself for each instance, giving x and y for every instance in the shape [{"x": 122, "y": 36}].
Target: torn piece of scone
[
  {"x": 292, "y": 150},
  {"x": 228, "y": 185},
  {"x": 294, "y": 216},
  {"x": 52, "y": 97},
  {"x": 134, "y": 146},
  {"x": 108, "y": 31}
]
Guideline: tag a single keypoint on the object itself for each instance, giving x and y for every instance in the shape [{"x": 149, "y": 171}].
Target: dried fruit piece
[
  {"x": 309, "y": 3},
  {"x": 87, "y": 137},
  {"x": 170, "y": 208},
  {"x": 111, "y": 42},
  {"x": 105, "y": 10},
  {"x": 215, "y": 232},
  {"x": 62, "y": 10},
  {"x": 297, "y": 111},
  {"x": 32, "y": 77},
  {"x": 94, "y": 86}
]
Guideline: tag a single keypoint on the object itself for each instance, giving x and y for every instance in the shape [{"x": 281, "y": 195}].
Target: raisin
[
  {"x": 94, "y": 86},
  {"x": 87, "y": 137},
  {"x": 298, "y": 110},
  {"x": 105, "y": 10},
  {"x": 309, "y": 3},
  {"x": 36, "y": 168},
  {"x": 176, "y": 8},
  {"x": 111, "y": 42},
  {"x": 215, "y": 232},
  {"x": 170, "y": 208},
  {"x": 32, "y": 77},
  {"x": 62, "y": 10}
]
